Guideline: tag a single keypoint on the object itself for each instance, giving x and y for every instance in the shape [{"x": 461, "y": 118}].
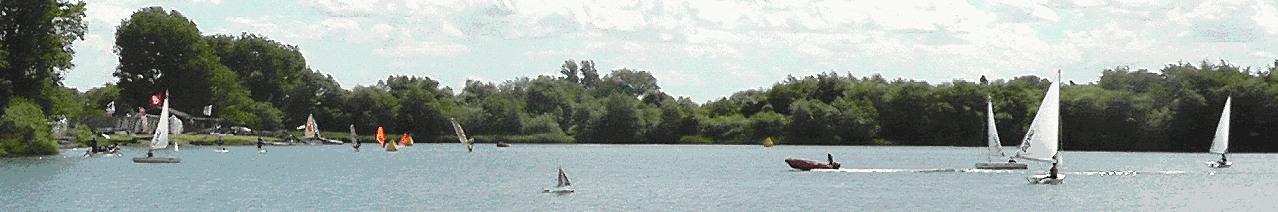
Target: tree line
[{"x": 266, "y": 85}]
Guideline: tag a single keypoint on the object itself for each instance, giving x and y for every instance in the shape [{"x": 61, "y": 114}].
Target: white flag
[
  {"x": 208, "y": 110},
  {"x": 110, "y": 108}
]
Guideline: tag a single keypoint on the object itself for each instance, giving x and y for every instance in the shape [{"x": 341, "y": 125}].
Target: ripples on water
[{"x": 444, "y": 177}]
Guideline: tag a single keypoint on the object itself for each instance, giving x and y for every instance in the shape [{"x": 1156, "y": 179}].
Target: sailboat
[
  {"x": 563, "y": 187},
  {"x": 311, "y": 135},
  {"x": 1042, "y": 140},
  {"x": 461, "y": 135},
  {"x": 160, "y": 140},
  {"x": 354, "y": 139},
  {"x": 406, "y": 140},
  {"x": 1220, "y": 145},
  {"x": 996, "y": 147},
  {"x": 381, "y": 137},
  {"x": 311, "y": 127}
]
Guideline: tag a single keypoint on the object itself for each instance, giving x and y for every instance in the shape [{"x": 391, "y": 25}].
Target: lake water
[{"x": 444, "y": 177}]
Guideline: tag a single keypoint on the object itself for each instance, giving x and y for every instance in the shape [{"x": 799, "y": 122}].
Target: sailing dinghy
[
  {"x": 1220, "y": 145},
  {"x": 1042, "y": 140},
  {"x": 996, "y": 147},
  {"x": 563, "y": 187},
  {"x": 160, "y": 140},
  {"x": 461, "y": 135}
]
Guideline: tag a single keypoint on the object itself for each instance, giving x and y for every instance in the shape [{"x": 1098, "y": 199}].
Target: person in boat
[
  {"x": 830, "y": 157},
  {"x": 259, "y": 142},
  {"x": 93, "y": 145},
  {"x": 1011, "y": 160},
  {"x": 1223, "y": 160},
  {"x": 1053, "y": 172},
  {"x": 149, "y": 153}
]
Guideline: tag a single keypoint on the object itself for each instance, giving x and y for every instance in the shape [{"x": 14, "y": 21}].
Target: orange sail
[
  {"x": 404, "y": 140},
  {"x": 381, "y": 137}
]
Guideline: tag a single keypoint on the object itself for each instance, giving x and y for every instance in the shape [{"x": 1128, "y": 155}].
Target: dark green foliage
[
  {"x": 23, "y": 130},
  {"x": 35, "y": 47}
]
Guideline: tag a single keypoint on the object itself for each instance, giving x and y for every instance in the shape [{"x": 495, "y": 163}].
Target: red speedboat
[{"x": 805, "y": 164}]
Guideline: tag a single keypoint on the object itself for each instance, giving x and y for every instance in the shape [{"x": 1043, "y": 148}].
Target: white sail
[
  {"x": 1220, "y": 145},
  {"x": 1043, "y": 137},
  {"x": 996, "y": 147},
  {"x": 311, "y": 127},
  {"x": 353, "y": 138},
  {"x": 563, "y": 179},
  {"x": 160, "y": 140},
  {"x": 461, "y": 134}
]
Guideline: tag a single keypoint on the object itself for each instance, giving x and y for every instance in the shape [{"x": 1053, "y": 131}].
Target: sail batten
[
  {"x": 1043, "y": 137},
  {"x": 1220, "y": 144}
]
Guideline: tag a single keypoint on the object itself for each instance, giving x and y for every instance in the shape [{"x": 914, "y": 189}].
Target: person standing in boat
[
  {"x": 833, "y": 164},
  {"x": 92, "y": 146},
  {"x": 259, "y": 143},
  {"x": 1223, "y": 160},
  {"x": 1052, "y": 173}
]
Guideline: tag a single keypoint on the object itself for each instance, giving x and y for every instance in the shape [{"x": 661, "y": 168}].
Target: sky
[{"x": 707, "y": 50}]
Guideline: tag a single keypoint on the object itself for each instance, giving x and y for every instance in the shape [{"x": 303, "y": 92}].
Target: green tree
[
  {"x": 35, "y": 46},
  {"x": 163, "y": 51},
  {"x": 23, "y": 130}
]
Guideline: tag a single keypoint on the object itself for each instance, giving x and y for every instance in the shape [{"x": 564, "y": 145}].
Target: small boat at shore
[{"x": 805, "y": 164}]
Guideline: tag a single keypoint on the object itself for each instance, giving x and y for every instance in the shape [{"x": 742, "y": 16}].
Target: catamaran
[
  {"x": 160, "y": 140},
  {"x": 1220, "y": 145},
  {"x": 1042, "y": 140},
  {"x": 996, "y": 147},
  {"x": 563, "y": 187},
  {"x": 461, "y": 135}
]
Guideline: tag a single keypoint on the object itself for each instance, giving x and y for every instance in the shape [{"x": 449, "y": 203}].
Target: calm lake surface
[{"x": 444, "y": 177}]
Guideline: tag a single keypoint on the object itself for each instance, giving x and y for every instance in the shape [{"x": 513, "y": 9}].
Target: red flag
[{"x": 157, "y": 100}]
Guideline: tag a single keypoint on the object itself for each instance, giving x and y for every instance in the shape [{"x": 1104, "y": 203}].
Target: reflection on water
[{"x": 623, "y": 178}]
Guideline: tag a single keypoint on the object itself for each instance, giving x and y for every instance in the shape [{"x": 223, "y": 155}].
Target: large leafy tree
[
  {"x": 35, "y": 47},
  {"x": 272, "y": 72},
  {"x": 163, "y": 51}
]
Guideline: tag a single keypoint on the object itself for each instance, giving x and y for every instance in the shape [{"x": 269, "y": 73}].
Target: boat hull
[
  {"x": 221, "y": 151},
  {"x": 503, "y": 144},
  {"x": 1001, "y": 166},
  {"x": 558, "y": 190},
  {"x": 1043, "y": 179},
  {"x": 156, "y": 160},
  {"x": 806, "y": 165},
  {"x": 1218, "y": 165}
]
